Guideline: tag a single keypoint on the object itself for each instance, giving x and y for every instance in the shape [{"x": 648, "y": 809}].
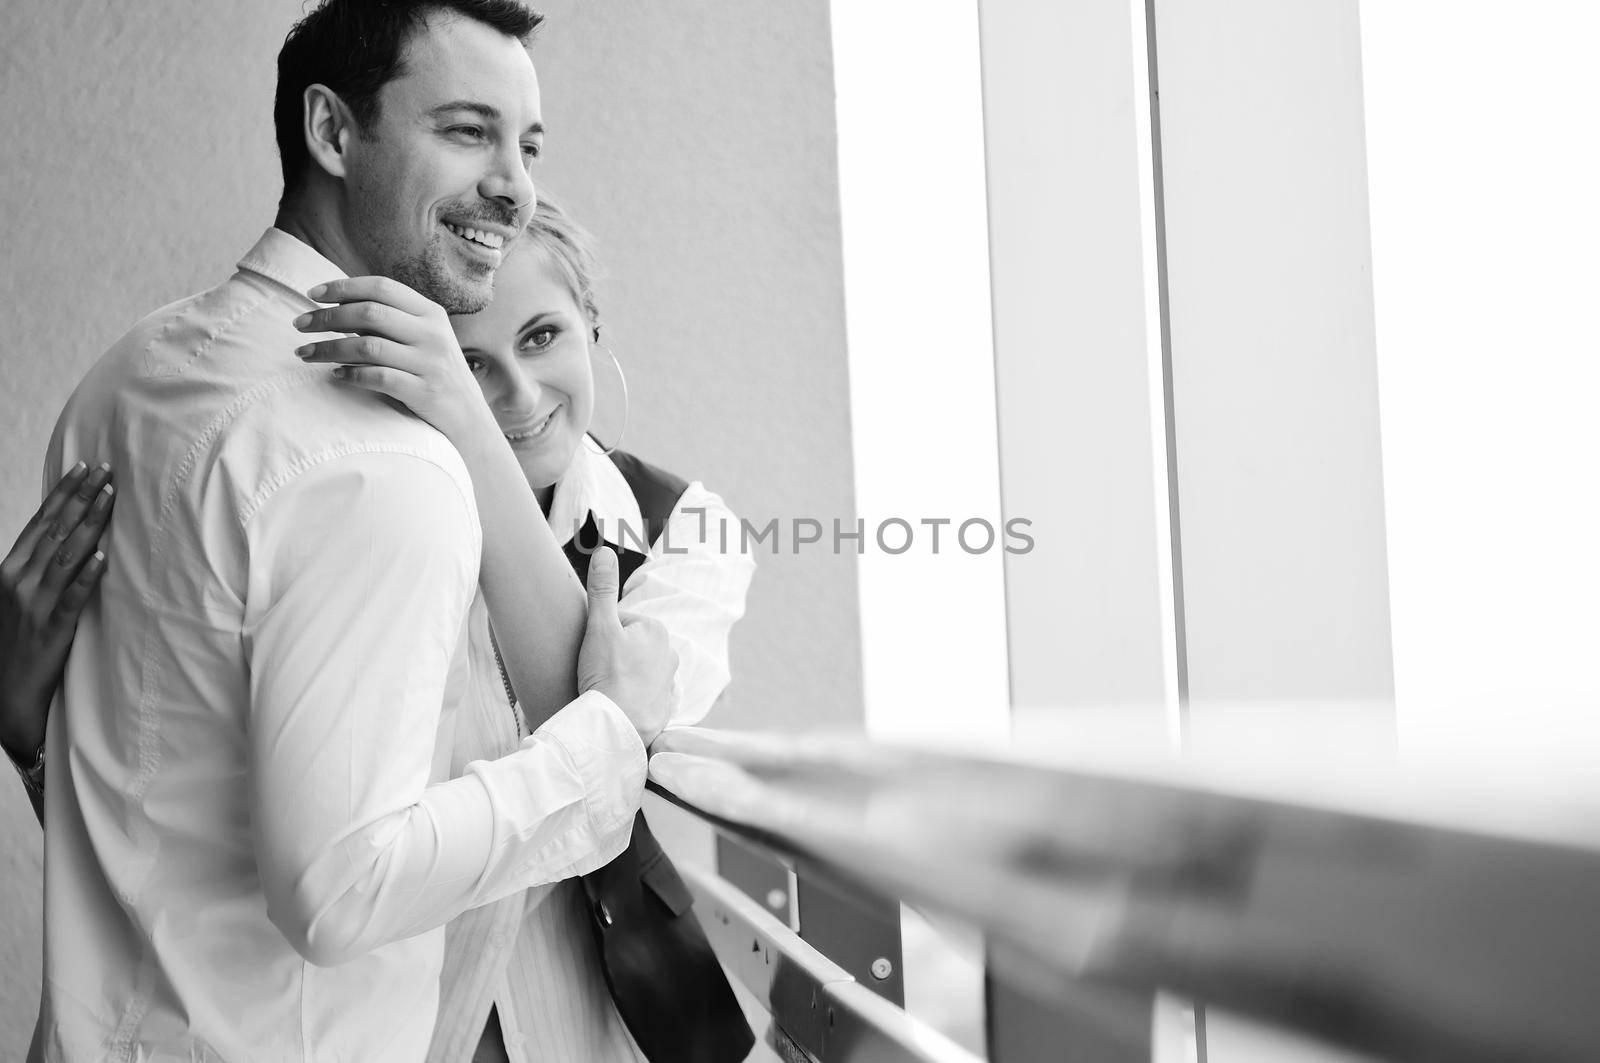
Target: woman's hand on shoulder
[
  {"x": 45, "y": 581},
  {"x": 400, "y": 344}
]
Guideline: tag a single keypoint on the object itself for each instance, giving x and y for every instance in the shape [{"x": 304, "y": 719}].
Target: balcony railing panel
[{"x": 1413, "y": 918}]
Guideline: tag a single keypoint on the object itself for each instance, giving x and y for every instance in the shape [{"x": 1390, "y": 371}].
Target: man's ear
[{"x": 329, "y": 128}]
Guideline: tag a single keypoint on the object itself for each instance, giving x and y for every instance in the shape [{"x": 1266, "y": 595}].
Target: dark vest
[{"x": 662, "y": 972}]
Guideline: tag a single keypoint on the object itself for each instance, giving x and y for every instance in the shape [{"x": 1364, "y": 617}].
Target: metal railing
[{"x": 1412, "y": 916}]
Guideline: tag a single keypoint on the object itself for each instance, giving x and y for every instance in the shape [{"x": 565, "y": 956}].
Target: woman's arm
[
  {"x": 45, "y": 581},
  {"x": 535, "y": 599},
  {"x": 403, "y": 347}
]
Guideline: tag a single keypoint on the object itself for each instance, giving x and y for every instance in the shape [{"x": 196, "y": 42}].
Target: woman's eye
[
  {"x": 530, "y": 151},
  {"x": 471, "y": 132},
  {"x": 476, "y": 365},
  {"x": 539, "y": 338}
]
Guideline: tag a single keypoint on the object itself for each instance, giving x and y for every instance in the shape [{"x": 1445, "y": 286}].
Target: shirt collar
[
  {"x": 291, "y": 262},
  {"x": 594, "y": 485}
]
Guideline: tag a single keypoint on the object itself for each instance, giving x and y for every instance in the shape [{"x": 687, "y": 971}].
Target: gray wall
[{"x": 697, "y": 144}]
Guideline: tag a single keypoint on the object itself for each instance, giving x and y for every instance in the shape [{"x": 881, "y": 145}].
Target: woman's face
[{"x": 529, "y": 349}]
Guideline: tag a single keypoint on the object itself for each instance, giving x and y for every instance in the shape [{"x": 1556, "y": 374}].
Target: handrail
[
  {"x": 826, "y": 1013},
  {"x": 1412, "y": 920}
]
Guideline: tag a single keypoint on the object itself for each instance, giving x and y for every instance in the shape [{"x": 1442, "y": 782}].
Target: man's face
[{"x": 440, "y": 180}]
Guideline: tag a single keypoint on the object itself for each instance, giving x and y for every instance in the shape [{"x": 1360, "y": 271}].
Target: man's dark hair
[{"x": 355, "y": 47}]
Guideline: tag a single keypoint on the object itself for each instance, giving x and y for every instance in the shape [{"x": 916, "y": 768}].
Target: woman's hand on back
[
  {"x": 45, "y": 581},
  {"x": 399, "y": 344}
]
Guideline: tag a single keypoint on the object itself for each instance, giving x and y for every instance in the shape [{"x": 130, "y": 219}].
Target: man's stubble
[{"x": 428, "y": 273}]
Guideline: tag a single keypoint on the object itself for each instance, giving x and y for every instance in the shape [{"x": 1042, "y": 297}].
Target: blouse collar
[{"x": 594, "y": 485}]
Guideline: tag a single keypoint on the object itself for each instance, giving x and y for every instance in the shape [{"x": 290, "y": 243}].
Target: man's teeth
[{"x": 477, "y": 236}]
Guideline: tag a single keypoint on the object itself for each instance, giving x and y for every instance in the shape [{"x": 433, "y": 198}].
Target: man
[{"x": 250, "y": 850}]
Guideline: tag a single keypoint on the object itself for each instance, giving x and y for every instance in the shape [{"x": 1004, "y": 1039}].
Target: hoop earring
[{"x": 621, "y": 379}]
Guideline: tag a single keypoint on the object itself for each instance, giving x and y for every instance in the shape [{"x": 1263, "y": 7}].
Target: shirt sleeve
[
  {"x": 694, "y": 582},
  {"x": 361, "y": 569}
]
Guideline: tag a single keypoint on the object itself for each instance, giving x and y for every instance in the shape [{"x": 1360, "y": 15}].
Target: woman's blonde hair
[{"x": 570, "y": 248}]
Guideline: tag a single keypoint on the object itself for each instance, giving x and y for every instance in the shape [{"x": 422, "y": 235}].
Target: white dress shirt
[
  {"x": 532, "y": 956},
  {"x": 254, "y": 840}
]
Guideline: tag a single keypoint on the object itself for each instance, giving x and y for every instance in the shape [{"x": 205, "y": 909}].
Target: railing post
[
  {"x": 858, "y": 931},
  {"x": 761, "y": 878}
]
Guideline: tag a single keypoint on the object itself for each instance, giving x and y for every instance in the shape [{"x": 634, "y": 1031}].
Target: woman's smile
[{"x": 532, "y": 431}]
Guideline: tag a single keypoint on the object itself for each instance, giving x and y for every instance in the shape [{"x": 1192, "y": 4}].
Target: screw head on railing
[{"x": 882, "y": 968}]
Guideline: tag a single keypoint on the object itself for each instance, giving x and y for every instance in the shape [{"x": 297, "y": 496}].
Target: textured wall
[{"x": 138, "y": 165}]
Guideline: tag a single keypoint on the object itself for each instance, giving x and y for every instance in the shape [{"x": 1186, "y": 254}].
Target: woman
[
  {"x": 513, "y": 389},
  {"x": 45, "y": 582}
]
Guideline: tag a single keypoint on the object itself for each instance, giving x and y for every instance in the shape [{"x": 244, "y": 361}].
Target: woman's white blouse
[{"x": 532, "y": 955}]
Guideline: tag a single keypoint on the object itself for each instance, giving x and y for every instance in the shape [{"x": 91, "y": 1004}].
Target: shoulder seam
[
  {"x": 271, "y": 487},
  {"x": 222, "y": 328}
]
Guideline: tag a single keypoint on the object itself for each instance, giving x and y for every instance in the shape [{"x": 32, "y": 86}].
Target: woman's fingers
[
  {"x": 70, "y": 481},
  {"x": 22, "y": 549},
  {"x": 59, "y": 529},
  {"x": 76, "y": 594},
  {"x": 385, "y": 290},
  {"x": 363, "y": 350},
  {"x": 398, "y": 385},
  {"x": 366, "y": 318},
  {"x": 74, "y": 552}
]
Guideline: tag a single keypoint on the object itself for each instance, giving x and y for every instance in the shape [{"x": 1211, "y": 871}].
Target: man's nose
[{"x": 509, "y": 181}]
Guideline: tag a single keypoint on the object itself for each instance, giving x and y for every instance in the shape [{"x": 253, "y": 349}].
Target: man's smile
[{"x": 486, "y": 237}]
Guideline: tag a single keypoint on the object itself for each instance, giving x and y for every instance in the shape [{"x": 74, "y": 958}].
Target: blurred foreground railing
[{"x": 1413, "y": 918}]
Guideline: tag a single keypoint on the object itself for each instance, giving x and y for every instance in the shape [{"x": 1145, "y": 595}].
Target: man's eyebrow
[
  {"x": 477, "y": 107},
  {"x": 487, "y": 112}
]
